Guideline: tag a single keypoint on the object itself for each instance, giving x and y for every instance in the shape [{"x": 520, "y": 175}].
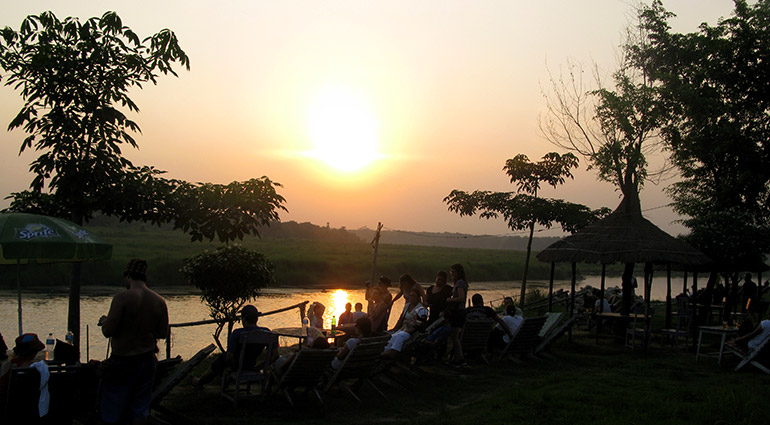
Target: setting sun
[{"x": 343, "y": 129}]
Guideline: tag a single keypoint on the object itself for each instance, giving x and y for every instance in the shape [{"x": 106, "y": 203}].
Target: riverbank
[
  {"x": 306, "y": 263},
  {"x": 580, "y": 383}
]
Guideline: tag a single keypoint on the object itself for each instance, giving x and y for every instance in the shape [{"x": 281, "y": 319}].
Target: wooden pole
[
  {"x": 601, "y": 302},
  {"x": 572, "y": 297},
  {"x": 375, "y": 247},
  {"x": 668, "y": 295},
  {"x": 647, "y": 294},
  {"x": 550, "y": 288}
]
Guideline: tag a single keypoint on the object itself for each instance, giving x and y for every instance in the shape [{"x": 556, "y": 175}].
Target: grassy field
[
  {"x": 581, "y": 382},
  {"x": 298, "y": 262}
]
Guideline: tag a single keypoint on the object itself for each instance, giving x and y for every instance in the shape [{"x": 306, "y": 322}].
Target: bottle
[
  {"x": 305, "y": 324},
  {"x": 50, "y": 343},
  {"x": 334, "y": 325},
  {"x": 70, "y": 338}
]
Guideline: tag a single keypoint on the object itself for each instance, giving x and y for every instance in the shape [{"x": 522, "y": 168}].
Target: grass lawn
[{"x": 581, "y": 382}]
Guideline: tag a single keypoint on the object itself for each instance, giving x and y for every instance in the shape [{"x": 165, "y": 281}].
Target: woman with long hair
[
  {"x": 436, "y": 296},
  {"x": 455, "y": 312}
]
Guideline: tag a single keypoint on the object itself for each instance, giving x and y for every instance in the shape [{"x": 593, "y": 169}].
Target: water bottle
[
  {"x": 50, "y": 343},
  {"x": 70, "y": 338},
  {"x": 305, "y": 324}
]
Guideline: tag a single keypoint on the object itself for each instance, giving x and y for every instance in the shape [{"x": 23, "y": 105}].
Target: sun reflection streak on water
[{"x": 339, "y": 299}]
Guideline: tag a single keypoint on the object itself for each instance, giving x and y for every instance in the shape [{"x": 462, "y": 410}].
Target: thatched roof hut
[{"x": 623, "y": 237}]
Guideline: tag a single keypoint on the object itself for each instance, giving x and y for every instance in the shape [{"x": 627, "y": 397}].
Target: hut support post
[
  {"x": 668, "y": 296},
  {"x": 572, "y": 297},
  {"x": 550, "y": 288},
  {"x": 684, "y": 283},
  {"x": 647, "y": 293},
  {"x": 695, "y": 299},
  {"x": 602, "y": 295}
]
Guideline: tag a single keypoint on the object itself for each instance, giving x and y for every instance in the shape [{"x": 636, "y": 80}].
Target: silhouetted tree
[
  {"x": 75, "y": 79},
  {"x": 524, "y": 210}
]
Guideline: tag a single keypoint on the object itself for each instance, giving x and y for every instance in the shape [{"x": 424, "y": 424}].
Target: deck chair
[
  {"x": 245, "y": 375},
  {"x": 552, "y": 321},
  {"x": 639, "y": 331},
  {"x": 750, "y": 357},
  {"x": 360, "y": 364},
  {"x": 526, "y": 338},
  {"x": 164, "y": 384},
  {"x": 475, "y": 336},
  {"x": 554, "y": 335},
  {"x": 305, "y": 371},
  {"x": 684, "y": 319}
]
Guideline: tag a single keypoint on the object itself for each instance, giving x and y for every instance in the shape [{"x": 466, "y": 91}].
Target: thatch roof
[{"x": 622, "y": 237}]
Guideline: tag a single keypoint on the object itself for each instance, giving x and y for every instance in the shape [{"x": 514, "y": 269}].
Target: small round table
[{"x": 301, "y": 333}]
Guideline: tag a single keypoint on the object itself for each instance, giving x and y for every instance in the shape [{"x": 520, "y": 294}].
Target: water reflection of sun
[{"x": 339, "y": 299}]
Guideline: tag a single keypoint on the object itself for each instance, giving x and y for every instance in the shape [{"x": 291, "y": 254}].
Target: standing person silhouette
[
  {"x": 138, "y": 317},
  {"x": 456, "y": 312}
]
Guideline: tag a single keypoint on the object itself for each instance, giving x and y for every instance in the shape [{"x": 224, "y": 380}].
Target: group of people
[{"x": 138, "y": 317}]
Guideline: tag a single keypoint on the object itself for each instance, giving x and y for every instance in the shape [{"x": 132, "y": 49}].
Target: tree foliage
[
  {"x": 716, "y": 87},
  {"x": 228, "y": 278},
  {"x": 525, "y": 210},
  {"x": 75, "y": 78}
]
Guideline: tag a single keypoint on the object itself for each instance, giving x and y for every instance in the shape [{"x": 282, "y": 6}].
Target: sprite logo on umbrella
[{"x": 35, "y": 231}]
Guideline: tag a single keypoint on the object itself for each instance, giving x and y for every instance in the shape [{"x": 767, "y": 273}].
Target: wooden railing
[{"x": 300, "y": 306}]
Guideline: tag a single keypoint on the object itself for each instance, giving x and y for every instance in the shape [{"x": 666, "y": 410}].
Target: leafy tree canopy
[
  {"x": 716, "y": 87},
  {"x": 228, "y": 278},
  {"x": 75, "y": 79}
]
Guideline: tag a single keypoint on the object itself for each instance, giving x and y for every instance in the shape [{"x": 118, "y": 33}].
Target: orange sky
[{"x": 451, "y": 90}]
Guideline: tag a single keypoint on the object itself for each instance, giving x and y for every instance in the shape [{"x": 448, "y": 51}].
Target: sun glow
[
  {"x": 339, "y": 299},
  {"x": 343, "y": 129}
]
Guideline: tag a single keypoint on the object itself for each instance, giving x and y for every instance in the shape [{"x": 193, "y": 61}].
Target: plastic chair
[
  {"x": 245, "y": 375},
  {"x": 640, "y": 329},
  {"x": 683, "y": 327}
]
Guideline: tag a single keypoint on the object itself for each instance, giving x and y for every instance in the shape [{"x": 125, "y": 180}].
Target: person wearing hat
[
  {"x": 138, "y": 317},
  {"x": 27, "y": 347},
  {"x": 229, "y": 360}
]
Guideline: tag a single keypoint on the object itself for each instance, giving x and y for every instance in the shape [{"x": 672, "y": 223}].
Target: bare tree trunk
[
  {"x": 73, "y": 307},
  {"x": 526, "y": 265}
]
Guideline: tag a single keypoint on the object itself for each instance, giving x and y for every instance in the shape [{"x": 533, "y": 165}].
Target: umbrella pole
[{"x": 18, "y": 289}]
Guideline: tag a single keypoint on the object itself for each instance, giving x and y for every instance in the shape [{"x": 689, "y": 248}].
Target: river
[{"x": 46, "y": 311}]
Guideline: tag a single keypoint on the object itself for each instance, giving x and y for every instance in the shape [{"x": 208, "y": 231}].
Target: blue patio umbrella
[{"x": 27, "y": 238}]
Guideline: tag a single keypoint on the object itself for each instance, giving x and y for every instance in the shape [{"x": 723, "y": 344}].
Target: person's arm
[
  {"x": 423, "y": 295},
  {"x": 343, "y": 352},
  {"x": 503, "y": 325},
  {"x": 400, "y": 293},
  {"x": 750, "y": 335},
  {"x": 162, "y": 331},
  {"x": 111, "y": 321},
  {"x": 459, "y": 298}
]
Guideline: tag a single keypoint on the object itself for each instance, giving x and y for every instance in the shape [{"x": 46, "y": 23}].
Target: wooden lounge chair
[
  {"x": 525, "y": 339},
  {"x": 750, "y": 357},
  {"x": 552, "y": 336},
  {"x": 552, "y": 321},
  {"x": 305, "y": 371},
  {"x": 475, "y": 336},
  {"x": 245, "y": 375},
  {"x": 172, "y": 378},
  {"x": 360, "y": 364}
]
